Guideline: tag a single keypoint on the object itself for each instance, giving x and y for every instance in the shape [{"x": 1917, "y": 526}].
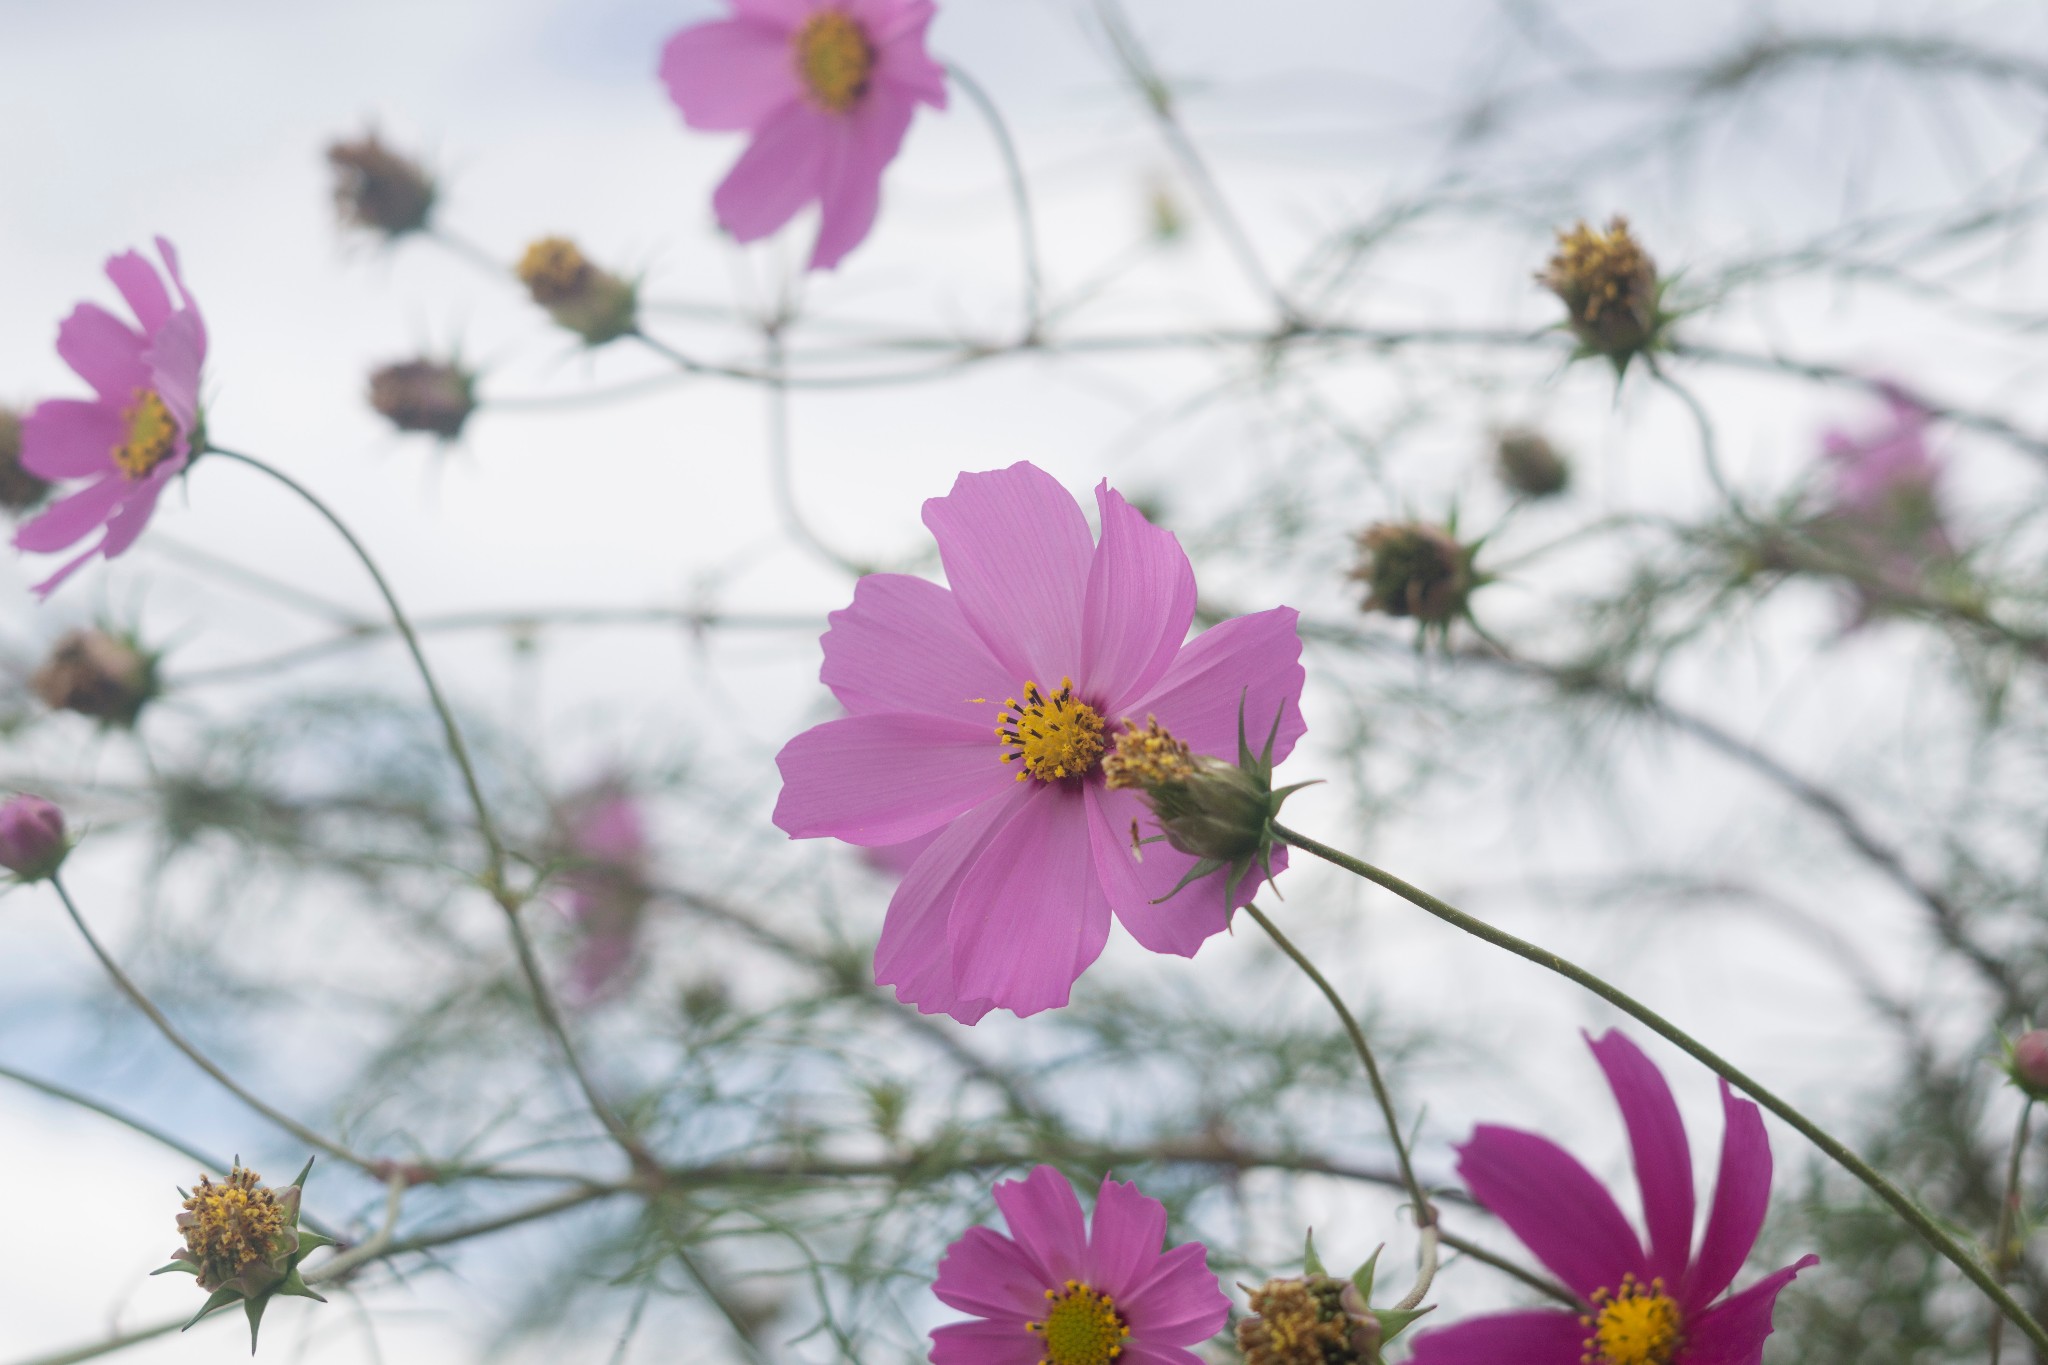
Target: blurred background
[{"x": 1794, "y": 803}]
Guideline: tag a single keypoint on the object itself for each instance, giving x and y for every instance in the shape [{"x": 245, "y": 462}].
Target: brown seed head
[
  {"x": 96, "y": 674},
  {"x": 424, "y": 395},
  {"x": 376, "y": 188},
  {"x": 1307, "y": 1322},
  {"x": 19, "y": 489},
  {"x": 1414, "y": 569},
  {"x": 233, "y": 1227},
  {"x": 1609, "y": 287},
  {"x": 1529, "y": 464}
]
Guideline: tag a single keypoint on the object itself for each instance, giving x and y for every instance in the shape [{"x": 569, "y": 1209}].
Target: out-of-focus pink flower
[
  {"x": 32, "y": 841},
  {"x": 827, "y": 88},
  {"x": 1034, "y": 850},
  {"x": 1066, "y": 1291},
  {"x": 137, "y": 432},
  {"x": 604, "y": 844},
  {"x": 1884, "y": 519},
  {"x": 1659, "y": 1304}
]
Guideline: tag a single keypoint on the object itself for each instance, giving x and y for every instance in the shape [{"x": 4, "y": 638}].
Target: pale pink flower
[
  {"x": 136, "y": 434},
  {"x": 604, "y": 844},
  {"x": 827, "y": 88}
]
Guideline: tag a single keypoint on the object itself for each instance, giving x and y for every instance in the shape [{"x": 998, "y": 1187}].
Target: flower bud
[
  {"x": 376, "y": 188},
  {"x": 1528, "y": 464},
  {"x": 2027, "y": 1062},
  {"x": 97, "y": 674},
  {"x": 1610, "y": 291},
  {"x": 32, "y": 843},
  {"x": 243, "y": 1243},
  {"x": 424, "y": 395},
  {"x": 1415, "y": 569},
  {"x": 19, "y": 489},
  {"x": 1315, "y": 1320},
  {"x": 593, "y": 303}
]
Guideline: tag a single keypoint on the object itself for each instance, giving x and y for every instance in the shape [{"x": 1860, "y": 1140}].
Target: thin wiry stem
[
  {"x": 2006, "y": 1249},
  {"x": 1020, "y": 198},
  {"x": 1901, "y": 1203}
]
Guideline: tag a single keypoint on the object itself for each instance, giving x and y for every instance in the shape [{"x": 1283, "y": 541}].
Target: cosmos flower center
[
  {"x": 1054, "y": 737},
  {"x": 835, "y": 59},
  {"x": 152, "y": 435},
  {"x": 1081, "y": 1327},
  {"x": 1637, "y": 1325},
  {"x": 233, "y": 1225}
]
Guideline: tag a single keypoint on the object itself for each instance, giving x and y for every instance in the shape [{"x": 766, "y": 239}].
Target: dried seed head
[
  {"x": 424, "y": 395},
  {"x": 1308, "y": 1321},
  {"x": 591, "y": 302},
  {"x": 1529, "y": 464},
  {"x": 1609, "y": 287},
  {"x": 1414, "y": 569},
  {"x": 19, "y": 489},
  {"x": 376, "y": 188},
  {"x": 97, "y": 674}
]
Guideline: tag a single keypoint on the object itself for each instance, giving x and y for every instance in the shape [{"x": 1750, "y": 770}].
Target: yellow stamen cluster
[
  {"x": 1147, "y": 758},
  {"x": 834, "y": 59},
  {"x": 1301, "y": 1322},
  {"x": 555, "y": 270},
  {"x": 1081, "y": 1327},
  {"x": 152, "y": 435},
  {"x": 1636, "y": 1325},
  {"x": 231, "y": 1226},
  {"x": 1608, "y": 284},
  {"x": 1055, "y": 737}
]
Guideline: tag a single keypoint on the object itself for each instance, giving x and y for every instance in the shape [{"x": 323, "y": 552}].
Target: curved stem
[
  {"x": 1710, "y": 445},
  {"x": 1901, "y": 1203},
  {"x": 494, "y": 879},
  {"x": 201, "y": 1060},
  {"x": 1020, "y": 197},
  {"x": 1425, "y": 1212},
  {"x": 2004, "y": 1251}
]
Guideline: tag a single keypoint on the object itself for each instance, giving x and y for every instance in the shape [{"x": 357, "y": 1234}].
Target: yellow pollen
[
  {"x": 1605, "y": 268},
  {"x": 152, "y": 435},
  {"x": 1055, "y": 737},
  {"x": 554, "y": 270},
  {"x": 1081, "y": 1327},
  {"x": 232, "y": 1225},
  {"x": 1639, "y": 1325},
  {"x": 1147, "y": 758},
  {"x": 835, "y": 59}
]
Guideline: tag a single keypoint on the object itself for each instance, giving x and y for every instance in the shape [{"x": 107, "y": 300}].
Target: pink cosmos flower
[
  {"x": 604, "y": 839},
  {"x": 827, "y": 87},
  {"x": 1638, "y": 1307},
  {"x": 1012, "y": 900},
  {"x": 1060, "y": 1292},
  {"x": 1885, "y": 516},
  {"x": 136, "y": 434}
]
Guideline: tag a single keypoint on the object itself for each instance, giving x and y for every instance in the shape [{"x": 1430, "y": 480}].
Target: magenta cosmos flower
[
  {"x": 604, "y": 840},
  {"x": 827, "y": 88},
  {"x": 1058, "y": 1292},
  {"x": 1638, "y": 1307},
  {"x": 983, "y": 711},
  {"x": 135, "y": 434}
]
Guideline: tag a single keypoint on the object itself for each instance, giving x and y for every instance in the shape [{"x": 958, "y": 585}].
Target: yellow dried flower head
[
  {"x": 1147, "y": 758},
  {"x": 593, "y": 303},
  {"x": 1609, "y": 287},
  {"x": 1308, "y": 1322},
  {"x": 232, "y": 1226}
]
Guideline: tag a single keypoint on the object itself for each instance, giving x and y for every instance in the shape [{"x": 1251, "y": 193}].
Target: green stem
[
  {"x": 1425, "y": 1212},
  {"x": 201, "y": 1060},
  {"x": 1020, "y": 197},
  {"x": 2004, "y": 1253},
  {"x": 458, "y": 749},
  {"x": 1901, "y": 1203}
]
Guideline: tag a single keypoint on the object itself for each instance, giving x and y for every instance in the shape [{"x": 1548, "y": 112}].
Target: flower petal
[
  {"x": 56, "y": 580},
  {"x": 1663, "y": 1159},
  {"x": 1181, "y": 921},
  {"x": 1732, "y": 1332},
  {"x": 1125, "y": 1235},
  {"x": 1151, "y": 1353},
  {"x": 1538, "y": 1337},
  {"x": 915, "y": 954},
  {"x": 904, "y": 646},
  {"x": 135, "y": 276},
  {"x": 990, "y": 1276},
  {"x": 731, "y": 73},
  {"x": 985, "y": 1343},
  {"x": 782, "y": 169},
  {"x": 1179, "y": 1302},
  {"x": 174, "y": 358},
  {"x": 70, "y": 438},
  {"x": 1554, "y": 1205},
  {"x": 191, "y": 305},
  {"x": 72, "y": 518},
  {"x": 869, "y": 138},
  {"x": 883, "y": 779},
  {"x": 1016, "y": 551},
  {"x": 1742, "y": 1196},
  {"x": 1255, "y": 657},
  {"x": 1030, "y": 916},
  {"x": 137, "y": 508},
  {"x": 1140, "y": 601},
  {"x": 1044, "y": 1216},
  {"x": 901, "y": 57},
  {"x": 105, "y": 351}
]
